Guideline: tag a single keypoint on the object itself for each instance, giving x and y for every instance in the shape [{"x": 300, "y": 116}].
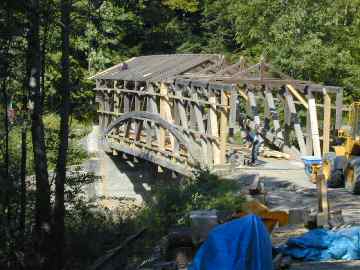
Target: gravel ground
[{"x": 287, "y": 186}]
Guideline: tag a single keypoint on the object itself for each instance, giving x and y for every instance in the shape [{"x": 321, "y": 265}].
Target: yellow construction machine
[{"x": 344, "y": 168}]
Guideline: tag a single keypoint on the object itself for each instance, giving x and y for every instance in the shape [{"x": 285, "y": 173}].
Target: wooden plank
[
  {"x": 287, "y": 119},
  {"x": 181, "y": 110},
  {"x": 253, "y": 107},
  {"x": 295, "y": 121},
  {"x": 200, "y": 125},
  {"x": 269, "y": 100},
  {"x": 149, "y": 133},
  {"x": 232, "y": 114},
  {"x": 327, "y": 123},
  {"x": 182, "y": 169},
  {"x": 339, "y": 109},
  {"x": 116, "y": 103},
  {"x": 106, "y": 108},
  {"x": 297, "y": 95},
  {"x": 138, "y": 125},
  {"x": 214, "y": 129},
  {"x": 152, "y": 107},
  {"x": 323, "y": 203},
  {"x": 165, "y": 112},
  {"x": 243, "y": 94},
  {"x": 151, "y": 103},
  {"x": 126, "y": 100},
  {"x": 223, "y": 128},
  {"x": 267, "y": 115},
  {"x": 309, "y": 142},
  {"x": 314, "y": 124}
]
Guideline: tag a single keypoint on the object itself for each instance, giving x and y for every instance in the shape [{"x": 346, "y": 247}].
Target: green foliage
[
  {"x": 174, "y": 201},
  {"x": 76, "y": 152},
  {"x": 186, "y": 5}
]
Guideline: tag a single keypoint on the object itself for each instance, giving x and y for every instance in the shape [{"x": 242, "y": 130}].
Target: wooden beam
[
  {"x": 267, "y": 115},
  {"x": 297, "y": 95},
  {"x": 327, "y": 123},
  {"x": 243, "y": 94},
  {"x": 339, "y": 109},
  {"x": 165, "y": 112},
  {"x": 309, "y": 142},
  {"x": 295, "y": 121},
  {"x": 181, "y": 110},
  {"x": 152, "y": 108},
  {"x": 138, "y": 125},
  {"x": 314, "y": 124},
  {"x": 232, "y": 114},
  {"x": 269, "y": 101},
  {"x": 287, "y": 120},
  {"x": 153, "y": 157},
  {"x": 223, "y": 128},
  {"x": 253, "y": 107},
  {"x": 106, "y": 108},
  {"x": 214, "y": 130},
  {"x": 199, "y": 119}
]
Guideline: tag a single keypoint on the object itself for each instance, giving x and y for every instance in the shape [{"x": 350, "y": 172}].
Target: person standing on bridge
[{"x": 255, "y": 137}]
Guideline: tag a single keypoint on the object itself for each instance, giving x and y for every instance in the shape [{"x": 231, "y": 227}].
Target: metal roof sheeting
[{"x": 155, "y": 67}]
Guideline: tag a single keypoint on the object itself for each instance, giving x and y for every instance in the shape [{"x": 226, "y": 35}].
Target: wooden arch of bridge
[{"x": 178, "y": 111}]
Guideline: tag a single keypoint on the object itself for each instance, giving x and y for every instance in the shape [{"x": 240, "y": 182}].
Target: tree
[
  {"x": 42, "y": 211},
  {"x": 64, "y": 91}
]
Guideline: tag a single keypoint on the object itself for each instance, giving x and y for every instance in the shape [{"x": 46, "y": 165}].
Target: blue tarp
[
  {"x": 322, "y": 244},
  {"x": 242, "y": 244}
]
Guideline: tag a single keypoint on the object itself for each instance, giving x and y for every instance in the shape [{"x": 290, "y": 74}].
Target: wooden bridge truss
[{"x": 181, "y": 113}]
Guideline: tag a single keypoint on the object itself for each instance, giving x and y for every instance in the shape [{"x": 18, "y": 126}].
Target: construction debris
[
  {"x": 268, "y": 153},
  {"x": 271, "y": 218}
]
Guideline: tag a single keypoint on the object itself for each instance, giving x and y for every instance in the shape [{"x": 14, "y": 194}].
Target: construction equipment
[{"x": 344, "y": 169}]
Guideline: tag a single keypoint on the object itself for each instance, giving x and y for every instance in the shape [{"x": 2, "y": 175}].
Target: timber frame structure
[{"x": 178, "y": 111}]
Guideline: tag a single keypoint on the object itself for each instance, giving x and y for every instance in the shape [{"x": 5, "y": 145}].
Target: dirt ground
[{"x": 287, "y": 186}]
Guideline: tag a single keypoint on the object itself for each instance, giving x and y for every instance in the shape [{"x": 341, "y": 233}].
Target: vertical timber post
[
  {"x": 314, "y": 124},
  {"x": 232, "y": 113},
  {"x": 295, "y": 121},
  {"x": 339, "y": 109},
  {"x": 223, "y": 126},
  {"x": 309, "y": 142},
  {"x": 326, "y": 123},
  {"x": 214, "y": 130},
  {"x": 198, "y": 116},
  {"x": 163, "y": 112},
  {"x": 253, "y": 107}
]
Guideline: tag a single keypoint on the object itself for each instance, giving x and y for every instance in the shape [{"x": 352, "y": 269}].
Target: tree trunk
[
  {"x": 59, "y": 228},
  {"x": 23, "y": 176},
  {"x": 42, "y": 205},
  {"x": 7, "y": 179}
]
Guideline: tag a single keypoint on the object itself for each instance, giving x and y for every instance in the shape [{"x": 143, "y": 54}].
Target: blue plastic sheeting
[
  {"x": 242, "y": 244},
  {"x": 322, "y": 245}
]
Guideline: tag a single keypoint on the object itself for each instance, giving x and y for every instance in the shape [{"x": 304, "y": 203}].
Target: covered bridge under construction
[{"x": 178, "y": 111}]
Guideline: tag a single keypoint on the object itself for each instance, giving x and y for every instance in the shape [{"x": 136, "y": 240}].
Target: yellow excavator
[{"x": 344, "y": 168}]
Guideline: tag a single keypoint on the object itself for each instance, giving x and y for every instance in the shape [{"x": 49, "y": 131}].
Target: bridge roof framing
[
  {"x": 206, "y": 69},
  {"x": 255, "y": 76},
  {"x": 156, "y": 68}
]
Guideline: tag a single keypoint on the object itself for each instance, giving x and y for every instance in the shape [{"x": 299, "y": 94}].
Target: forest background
[{"x": 48, "y": 49}]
